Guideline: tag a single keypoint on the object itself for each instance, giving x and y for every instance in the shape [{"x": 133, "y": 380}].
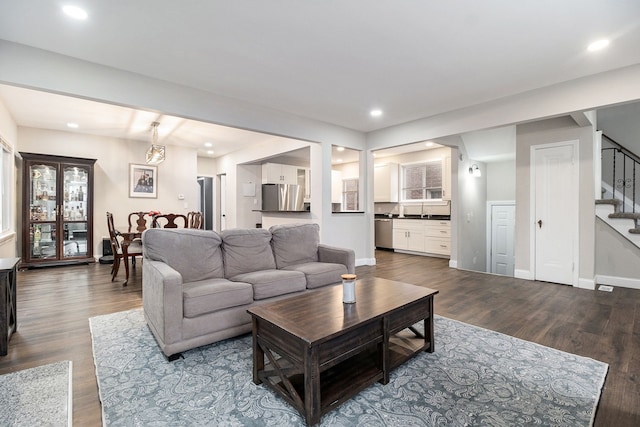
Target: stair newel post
[
  {"x": 613, "y": 181},
  {"x": 624, "y": 181},
  {"x": 635, "y": 164}
]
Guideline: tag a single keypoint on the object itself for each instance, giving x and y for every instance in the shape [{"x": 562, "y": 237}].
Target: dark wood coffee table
[{"x": 321, "y": 352}]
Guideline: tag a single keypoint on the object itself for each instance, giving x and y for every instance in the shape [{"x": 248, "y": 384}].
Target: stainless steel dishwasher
[{"x": 384, "y": 233}]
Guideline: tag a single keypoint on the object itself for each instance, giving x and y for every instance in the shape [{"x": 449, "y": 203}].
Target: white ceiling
[
  {"x": 31, "y": 108},
  {"x": 328, "y": 60}
]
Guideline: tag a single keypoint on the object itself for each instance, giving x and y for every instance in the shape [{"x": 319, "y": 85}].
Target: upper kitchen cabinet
[
  {"x": 276, "y": 173},
  {"x": 57, "y": 210},
  {"x": 385, "y": 183}
]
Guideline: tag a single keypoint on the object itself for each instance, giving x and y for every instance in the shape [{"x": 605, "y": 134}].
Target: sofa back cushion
[
  {"x": 193, "y": 253},
  {"x": 246, "y": 250},
  {"x": 295, "y": 243}
]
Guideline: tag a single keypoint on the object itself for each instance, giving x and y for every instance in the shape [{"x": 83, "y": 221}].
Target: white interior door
[
  {"x": 556, "y": 213},
  {"x": 222, "y": 203},
  {"x": 503, "y": 224}
]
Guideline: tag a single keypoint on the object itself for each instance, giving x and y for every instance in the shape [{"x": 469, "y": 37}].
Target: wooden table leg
[
  {"x": 384, "y": 361},
  {"x": 311, "y": 386},
  {"x": 125, "y": 258},
  {"x": 258, "y": 354},
  {"x": 428, "y": 327}
]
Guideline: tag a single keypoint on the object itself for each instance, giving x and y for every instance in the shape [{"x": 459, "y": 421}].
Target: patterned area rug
[
  {"x": 38, "y": 396},
  {"x": 475, "y": 377}
]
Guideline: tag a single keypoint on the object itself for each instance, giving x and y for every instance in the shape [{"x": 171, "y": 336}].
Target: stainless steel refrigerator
[{"x": 282, "y": 197}]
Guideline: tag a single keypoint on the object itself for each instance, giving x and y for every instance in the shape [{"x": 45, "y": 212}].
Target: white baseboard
[
  {"x": 523, "y": 274},
  {"x": 453, "y": 263},
  {"x": 586, "y": 284},
  {"x": 623, "y": 282},
  {"x": 365, "y": 261}
]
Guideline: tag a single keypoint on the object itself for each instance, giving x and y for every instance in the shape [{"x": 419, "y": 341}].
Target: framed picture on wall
[{"x": 143, "y": 181}]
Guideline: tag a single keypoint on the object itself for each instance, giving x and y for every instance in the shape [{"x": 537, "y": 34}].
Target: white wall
[
  {"x": 119, "y": 87},
  {"x": 176, "y": 175},
  {"x": 622, "y": 123},
  {"x": 246, "y": 215},
  {"x": 501, "y": 180},
  {"x": 472, "y": 217},
  {"x": 9, "y": 133},
  {"x": 615, "y": 255},
  {"x": 111, "y": 85},
  {"x": 551, "y": 131}
]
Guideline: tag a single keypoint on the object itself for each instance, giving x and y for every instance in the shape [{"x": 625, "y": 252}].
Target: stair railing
[{"x": 625, "y": 173}]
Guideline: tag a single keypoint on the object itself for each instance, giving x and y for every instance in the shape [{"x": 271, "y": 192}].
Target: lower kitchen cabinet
[
  {"x": 437, "y": 237},
  {"x": 408, "y": 234},
  {"x": 427, "y": 236}
]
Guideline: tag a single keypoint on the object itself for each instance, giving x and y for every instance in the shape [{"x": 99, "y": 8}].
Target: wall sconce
[{"x": 475, "y": 171}]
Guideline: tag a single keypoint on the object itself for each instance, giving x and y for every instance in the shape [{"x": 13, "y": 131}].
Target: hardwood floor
[{"x": 54, "y": 305}]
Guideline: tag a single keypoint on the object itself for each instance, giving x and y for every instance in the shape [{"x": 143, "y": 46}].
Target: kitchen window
[
  {"x": 350, "y": 194},
  {"x": 422, "y": 181}
]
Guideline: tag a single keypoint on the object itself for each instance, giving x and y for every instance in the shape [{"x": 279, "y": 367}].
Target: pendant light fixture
[{"x": 155, "y": 153}]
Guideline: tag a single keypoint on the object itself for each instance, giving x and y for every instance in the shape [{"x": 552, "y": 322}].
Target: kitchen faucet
[{"x": 422, "y": 215}]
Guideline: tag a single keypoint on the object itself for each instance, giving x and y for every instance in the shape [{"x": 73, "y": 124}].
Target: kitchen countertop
[{"x": 425, "y": 218}]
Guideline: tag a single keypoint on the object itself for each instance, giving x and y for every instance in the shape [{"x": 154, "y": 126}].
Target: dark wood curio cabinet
[{"x": 57, "y": 210}]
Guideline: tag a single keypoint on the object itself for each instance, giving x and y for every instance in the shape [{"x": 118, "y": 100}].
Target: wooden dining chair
[
  {"x": 134, "y": 249},
  {"x": 169, "y": 221},
  {"x": 139, "y": 219},
  {"x": 195, "y": 220}
]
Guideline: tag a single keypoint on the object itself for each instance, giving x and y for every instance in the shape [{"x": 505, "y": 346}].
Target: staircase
[
  {"x": 621, "y": 189},
  {"x": 625, "y": 223}
]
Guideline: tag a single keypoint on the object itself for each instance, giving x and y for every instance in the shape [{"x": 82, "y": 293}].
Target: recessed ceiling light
[
  {"x": 598, "y": 45},
  {"x": 73, "y": 125},
  {"x": 429, "y": 143},
  {"x": 376, "y": 113},
  {"x": 340, "y": 148},
  {"x": 75, "y": 12},
  {"x": 339, "y": 160},
  {"x": 209, "y": 151},
  {"x": 208, "y": 144}
]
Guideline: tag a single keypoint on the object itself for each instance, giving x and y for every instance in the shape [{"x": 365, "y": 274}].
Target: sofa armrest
[
  {"x": 336, "y": 255},
  {"x": 162, "y": 300}
]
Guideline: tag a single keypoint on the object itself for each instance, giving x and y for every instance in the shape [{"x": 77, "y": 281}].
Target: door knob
[{"x": 540, "y": 223}]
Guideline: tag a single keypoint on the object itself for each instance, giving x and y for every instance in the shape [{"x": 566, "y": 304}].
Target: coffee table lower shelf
[
  {"x": 337, "y": 384},
  {"x": 345, "y": 379}
]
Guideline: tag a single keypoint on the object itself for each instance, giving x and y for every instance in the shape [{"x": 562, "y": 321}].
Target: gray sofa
[{"x": 198, "y": 284}]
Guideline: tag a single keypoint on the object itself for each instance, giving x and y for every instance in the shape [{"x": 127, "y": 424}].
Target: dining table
[{"x": 129, "y": 234}]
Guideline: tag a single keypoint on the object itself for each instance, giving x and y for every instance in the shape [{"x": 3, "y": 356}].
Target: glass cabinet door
[
  {"x": 74, "y": 210},
  {"x": 43, "y": 211},
  {"x": 57, "y": 211}
]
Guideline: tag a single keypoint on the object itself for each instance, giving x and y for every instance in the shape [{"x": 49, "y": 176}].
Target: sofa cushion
[
  {"x": 207, "y": 296},
  {"x": 271, "y": 283},
  {"x": 320, "y": 273},
  {"x": 295, "y": 243},
  {"x": 193, "y": 253},
  {"x": 246, "y": 250}
]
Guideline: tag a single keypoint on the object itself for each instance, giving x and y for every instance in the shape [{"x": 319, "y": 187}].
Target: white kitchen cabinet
[
  {"x": 446, "y": 178},
  {"x": 336, "y": 186},
  {"x": 276, "y": 173},
  {"x": 437, "y": 237},
  {"x": 385, "y": 183},
  {"x": 408, "y": 234},
  {"x": 304, "y": 179}
]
